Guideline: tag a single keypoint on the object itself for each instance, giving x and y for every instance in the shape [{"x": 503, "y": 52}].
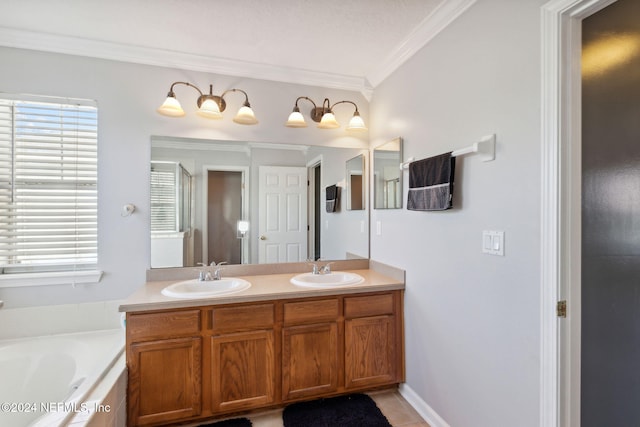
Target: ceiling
[{"x": 347, "y": 44}]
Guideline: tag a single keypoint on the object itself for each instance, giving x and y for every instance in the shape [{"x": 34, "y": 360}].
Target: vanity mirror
[
  {"x": 387, "y": 176},
  {"x": 248, "y": 203}
]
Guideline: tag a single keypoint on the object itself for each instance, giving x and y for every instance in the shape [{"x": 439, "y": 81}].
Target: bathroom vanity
[{"x": 269, "y": 345}]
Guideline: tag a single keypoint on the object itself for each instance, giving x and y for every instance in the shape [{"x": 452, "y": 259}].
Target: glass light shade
[
  {"x": 245, "y": 116},
  {"x": 209, "y": 109},
  {"x": 296, "y": 120},
  {"x": 242, "y": 228},
  {"x": 171, "y": 107},
  {"x": 328, "y": 121},
  {"x": 356, "y": 124}
]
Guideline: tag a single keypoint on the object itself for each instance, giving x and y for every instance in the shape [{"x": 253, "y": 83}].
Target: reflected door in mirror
[
  {"x": 224, "y": 210},
  {"x": 283, "y": 219}
]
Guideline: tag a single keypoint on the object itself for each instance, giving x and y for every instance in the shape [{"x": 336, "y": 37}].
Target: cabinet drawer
[
  {"x": 369, "y": 305},
  {"x": 326, "y": 310},
  {"x": 243, "y": 317},
  {"x": 159, "y": 325}
]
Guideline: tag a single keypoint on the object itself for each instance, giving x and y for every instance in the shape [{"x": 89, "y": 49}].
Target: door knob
[{"x": 263, "y": 237}]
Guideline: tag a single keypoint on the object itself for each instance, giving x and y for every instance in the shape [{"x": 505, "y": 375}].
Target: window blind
[
  {"x": 164, "y": 190},
  {"x": 48, "y": 186}
]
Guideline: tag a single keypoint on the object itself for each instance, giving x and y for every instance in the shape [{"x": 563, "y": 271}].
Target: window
[
  {"x": 48, "y": 185},
  {"x": 170, "y": 197}
]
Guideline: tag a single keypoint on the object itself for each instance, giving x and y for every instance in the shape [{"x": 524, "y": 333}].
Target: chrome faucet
[
  {"x": 204, "y": 275},
  {"x": 325, "y": 269}
]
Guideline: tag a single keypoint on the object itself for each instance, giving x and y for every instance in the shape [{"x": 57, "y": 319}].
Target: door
[
  {"x": 283, "y": 214},
  {"x": 164, "y": 380},
  {"x": 309, "y": 360},
  {"x": 224, "y": 210},
  {"x": 369, "y": 353},
  {"x": 610, "y": 243},
  {"x": 243, "y": 370}
]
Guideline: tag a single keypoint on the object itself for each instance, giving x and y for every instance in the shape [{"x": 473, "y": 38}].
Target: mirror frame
[{"x": 398, "y": 140}]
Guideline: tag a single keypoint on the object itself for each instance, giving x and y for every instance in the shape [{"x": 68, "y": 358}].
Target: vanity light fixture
[
  {"x": 324, "y": 116},
  {"x": 242, "y": 228},
  {"x": 210, "y": 106}
]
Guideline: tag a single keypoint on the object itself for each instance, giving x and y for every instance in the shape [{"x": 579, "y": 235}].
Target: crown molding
[
  {"x": 22, "y": 39},
  {"x": 430, "y": 26},
  {"x": 199, "y": 145},
  {"x": 435, "y": 22}
]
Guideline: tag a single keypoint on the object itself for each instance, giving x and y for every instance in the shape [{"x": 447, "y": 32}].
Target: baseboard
[{"x": 425, "y": 411}]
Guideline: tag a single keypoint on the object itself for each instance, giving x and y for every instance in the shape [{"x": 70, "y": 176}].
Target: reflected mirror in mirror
[
  {"x": 248, "y": 203},
  {"x": 355, "y": 180},
  {"x": 387, "y": 175}
]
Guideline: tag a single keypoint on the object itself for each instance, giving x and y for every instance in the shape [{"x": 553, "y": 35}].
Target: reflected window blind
[
  {"x": 163, "y": 197},
  {"x": 48, "y": 186}
]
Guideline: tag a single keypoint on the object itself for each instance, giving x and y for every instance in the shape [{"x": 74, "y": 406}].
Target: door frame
[
  {"x": 311, "y": 211},
  {"x": 244, "y": 194},
  {"x": 561, "y": 31}
]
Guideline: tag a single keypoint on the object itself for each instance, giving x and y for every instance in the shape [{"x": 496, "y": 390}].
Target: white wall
[
  {"x": 472, "y": 320},
  {"x": 127, "y": 96}
]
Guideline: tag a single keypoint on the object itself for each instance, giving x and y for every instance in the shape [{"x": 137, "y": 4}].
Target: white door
[{"x": 282, "y": 203}]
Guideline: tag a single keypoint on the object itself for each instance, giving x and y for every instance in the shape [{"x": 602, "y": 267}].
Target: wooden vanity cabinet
[
  {"x": 164, "y": 359},
  {"x": 310, "y": 348},
  {"x": 195, "y": 363},
  {"x": 372, "y": 341},
  {"x": 243, "y": 364}
]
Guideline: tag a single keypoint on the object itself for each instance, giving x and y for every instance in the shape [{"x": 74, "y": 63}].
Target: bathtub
[{"x": 46, "y": 381}]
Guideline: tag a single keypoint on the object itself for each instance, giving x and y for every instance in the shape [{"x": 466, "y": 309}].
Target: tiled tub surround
[
  {"x": 68, "y": 359},
  {"x": 274, "y": 327}
]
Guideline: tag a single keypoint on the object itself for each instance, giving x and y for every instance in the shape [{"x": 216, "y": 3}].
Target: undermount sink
[
  {"x": 328, "y": 280},
  {"x": 202, "y": 289}
]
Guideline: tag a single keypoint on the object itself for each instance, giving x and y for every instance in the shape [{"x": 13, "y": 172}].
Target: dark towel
[
  {"x": 431, "y": 183},
  {"x": 332, "y": 195}
]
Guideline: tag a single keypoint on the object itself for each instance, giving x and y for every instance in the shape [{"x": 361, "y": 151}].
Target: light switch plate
[{"x": 493, "y": 242}]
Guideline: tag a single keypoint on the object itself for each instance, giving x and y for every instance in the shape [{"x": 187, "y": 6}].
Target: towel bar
[{"x": 486, "y": 148}]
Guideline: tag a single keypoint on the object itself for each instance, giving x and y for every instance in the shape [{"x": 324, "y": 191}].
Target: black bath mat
[
  {"x": 234, "y": 422},
  {"x": 355, "y": 410}
]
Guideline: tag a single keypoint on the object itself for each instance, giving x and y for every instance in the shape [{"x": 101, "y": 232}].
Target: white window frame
[{"x": 40, "y": 270}]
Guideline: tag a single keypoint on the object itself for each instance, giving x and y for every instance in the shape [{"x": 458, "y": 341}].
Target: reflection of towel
[
  {"x": 332, "y": 192},
  {"x": 431, "y": 183}
]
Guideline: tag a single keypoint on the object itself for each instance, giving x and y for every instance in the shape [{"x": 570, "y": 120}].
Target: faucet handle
[
  {"x": 326, "y": 269},
  {"x": 314, "y": 270}
]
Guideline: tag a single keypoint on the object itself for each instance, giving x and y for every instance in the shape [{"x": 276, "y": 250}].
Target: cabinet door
[
  {"x": 164, "y": 380},
  {"x": 243, "y": 370},
  {"x": 309, "y": 360},
  {"x": 370, "y": 357}
]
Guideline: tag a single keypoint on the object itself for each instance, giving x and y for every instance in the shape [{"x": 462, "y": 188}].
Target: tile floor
[{"x": 391, "y": 403}]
